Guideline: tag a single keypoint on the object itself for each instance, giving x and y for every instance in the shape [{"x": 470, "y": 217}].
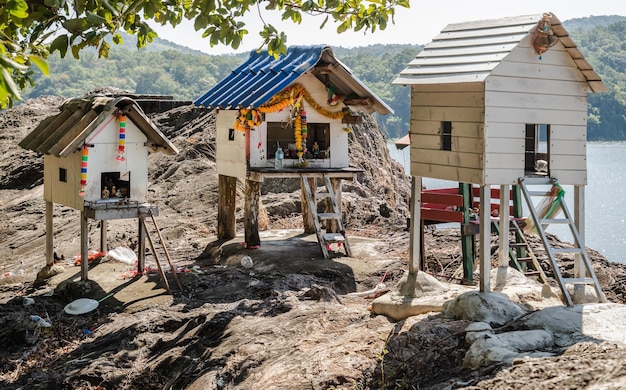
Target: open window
[
  {"x": 115, "y": 185},
  {"x": 446, "y": 135},
  {"x": 280, "y": 134},
  {"x": 537, "y": 149}
]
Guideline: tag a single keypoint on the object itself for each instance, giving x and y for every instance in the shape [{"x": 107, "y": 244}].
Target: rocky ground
[{"x": 292, "y": 321}]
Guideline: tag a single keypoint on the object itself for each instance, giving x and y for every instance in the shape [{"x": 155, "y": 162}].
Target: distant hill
[
  {"x": 590, "y": 22},
  {"x": 166, "y": 68}
]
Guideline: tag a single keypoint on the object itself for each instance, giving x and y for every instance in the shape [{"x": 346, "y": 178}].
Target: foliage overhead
[{"x": 32, "y": 29}]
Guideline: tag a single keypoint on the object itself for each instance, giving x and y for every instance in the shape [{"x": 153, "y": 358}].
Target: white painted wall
[
  {"x": 101, "y": 158},
  {"x": 230, "y": 155}
]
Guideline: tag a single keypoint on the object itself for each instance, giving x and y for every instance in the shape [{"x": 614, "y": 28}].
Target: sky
[{"x": 415, "y": 25}]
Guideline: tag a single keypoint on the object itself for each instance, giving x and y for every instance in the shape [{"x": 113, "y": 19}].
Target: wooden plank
[
  {"x": 568, "y": 133},
  {"x": 307, "y": 216},
  {"x": 555, "y": 56},
  {"x": 464, "y": 87},
  {"x": 502, "y": 176},
  {"x": 522, "y": 115},
  {"x": 567, "y": 147},
  {"x": 528, "y": 20},
  {"x": 459, "y": 144},
  {"x": 436, "y": 69},
  {"x": 536, "y": 101},
  {"x": 445, "y": 157},
  {"x": 406, "y": 78},
  {"x": 461, "y": 114},
  {"x": 441, "y": 215},
  {"x": 569, "y": 177},
  {"x": 442, "y": 198},
  {"x": 466, "y": 51},
  {"x": 461, "y": 129},
  {"x": 568, "y": 163},
  {"x": 538, "y": 71},
  {"x": 477, "y": 41},
  {"x": 446, "y": 172},
  {"x": 505, "y": 160},
  {"x": 511, "y": 146},
  {"x": 533, "y": 85},
  {"x": 470, "y": 58},
  {"x": 486, "y": 31},
  {"x": 448, "y": 99},
  {"x": 505, "y": 130}
]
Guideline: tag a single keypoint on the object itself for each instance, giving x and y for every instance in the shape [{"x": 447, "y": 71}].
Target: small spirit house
[
  {"x": 286, "y": 117},
  {"x": 96, "y": 161},
  {"x": 502, "y": 102}
]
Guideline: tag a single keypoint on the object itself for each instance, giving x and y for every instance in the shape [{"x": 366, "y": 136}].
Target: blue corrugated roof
[{"x": 259, "y": 78}]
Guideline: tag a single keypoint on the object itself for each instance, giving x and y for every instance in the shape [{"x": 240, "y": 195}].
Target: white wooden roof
[{"x": 468, "y": 52}]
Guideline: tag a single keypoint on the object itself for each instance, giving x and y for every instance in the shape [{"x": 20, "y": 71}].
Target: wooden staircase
[
  {"x": 324, "y": 237},
  {"x": 588, "y": 275}
]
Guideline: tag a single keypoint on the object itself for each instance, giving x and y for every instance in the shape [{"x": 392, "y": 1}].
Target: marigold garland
[{"x": 292, "y": 96}]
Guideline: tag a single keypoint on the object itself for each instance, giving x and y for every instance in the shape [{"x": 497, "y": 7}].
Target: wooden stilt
[
  {"x": 49, "y": 233},
  {"x": 226, "y": 202},
  {"x": 331, "y": 224},
  {"x": 504, "y": 225},
  {"x": 415, "y": 260},
  {"x": 84, "y": 250},
  {"x": 579, "y": 221},
  {"x": 485, "y": 237},
  {"x": 251, "y": 214},
  {"x": 307, "y": 216},
  {"x": 467, "y": 238},
  {"x": 141, "y": 245},
  {"x": 103, "y": 235}
]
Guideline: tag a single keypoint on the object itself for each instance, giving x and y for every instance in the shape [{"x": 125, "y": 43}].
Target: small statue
[
  {"x": 113, "y": 192},
  {"x": 105, "y": 192},
  {"x": 316, "y": 149}
]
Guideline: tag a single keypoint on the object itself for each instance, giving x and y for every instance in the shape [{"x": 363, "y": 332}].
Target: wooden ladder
[
  {"x": 326, "y": 238},
  {"x": 589, "y": 277},
  {"x": 151, "y": 229},
  {"x": 521, "y": 254}
]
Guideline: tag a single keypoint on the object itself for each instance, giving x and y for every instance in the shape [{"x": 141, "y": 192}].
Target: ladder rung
[
  {"x": 567, "y": 250},
  {"x": 532, "y": 273},
  {"x": 324, "y": 216},
  {"x": 539, "y": 193},
  {"x": 334, "y": 237},
  {"x": 578, "y": 280},
  {"x": 517, "y": 245},
  {"x": 525, "y": 259},
  {"x": 322, "y": 194},
  {"x": 555, "y": 221}
]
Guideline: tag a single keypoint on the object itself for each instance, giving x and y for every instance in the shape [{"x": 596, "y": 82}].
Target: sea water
[{"x": 605, "y": 198}]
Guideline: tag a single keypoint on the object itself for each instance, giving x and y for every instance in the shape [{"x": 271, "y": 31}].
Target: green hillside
[{"x": 170, "y": 69}]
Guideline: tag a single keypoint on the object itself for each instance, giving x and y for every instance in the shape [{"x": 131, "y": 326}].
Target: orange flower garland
[{"x": 292, "y": 96}]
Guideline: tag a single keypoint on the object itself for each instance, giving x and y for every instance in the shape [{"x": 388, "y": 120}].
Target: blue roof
[{"x": 262, "y": 76}]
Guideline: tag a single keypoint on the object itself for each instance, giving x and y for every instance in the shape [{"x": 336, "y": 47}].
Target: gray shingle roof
[{"x": 62, "y": 134}]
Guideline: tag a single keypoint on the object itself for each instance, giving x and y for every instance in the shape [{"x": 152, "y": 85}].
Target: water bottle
[{"x": 278, "y": 158}]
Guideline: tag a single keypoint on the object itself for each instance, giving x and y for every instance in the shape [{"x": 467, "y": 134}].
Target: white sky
[{"x": 416, "y": 25}]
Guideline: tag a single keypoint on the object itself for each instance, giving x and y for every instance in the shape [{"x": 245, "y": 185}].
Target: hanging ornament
[
  {"x": 83, "y": 170},
  {"x": 121, "y": 148},
  {"x": 303, "y": 125}
]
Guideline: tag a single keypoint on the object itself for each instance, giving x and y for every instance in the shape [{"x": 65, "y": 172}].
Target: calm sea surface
[{"x": 605, "y": 194}]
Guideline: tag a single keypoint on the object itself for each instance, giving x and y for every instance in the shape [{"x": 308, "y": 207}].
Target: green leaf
[
  {"x": 60, "y": 43},
  {"x": 40, "y": 63},
  {"x": 10, "y": 85}
]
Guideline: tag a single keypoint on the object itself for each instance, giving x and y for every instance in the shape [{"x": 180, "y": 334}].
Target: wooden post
[
  {"x": 103, "y": 235},
  {"x": 226, "y": 201},
  {"x": 84, "y": 250},
  {"x": 579, "y": 221},
  {"x": 331, "y": 224},
  {"x": 485, "y": 237},
  {"x": 49, "y": 234},
  {"x": 518, "y": 211},
  {"x": 251, "y": 214},
  {"x": 467, "y": 240},
  {"x": 504, "y": 224},
  {"x": 141, "y": 245},
  {"x": 415, "y": 261},
  {"x": 307, "y": 216}
]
